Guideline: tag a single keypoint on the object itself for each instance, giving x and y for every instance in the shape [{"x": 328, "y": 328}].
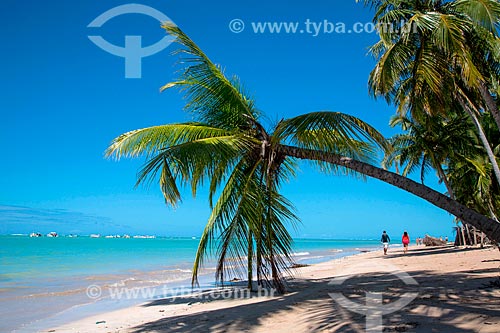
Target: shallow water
[{"x": 47, "y": 281}]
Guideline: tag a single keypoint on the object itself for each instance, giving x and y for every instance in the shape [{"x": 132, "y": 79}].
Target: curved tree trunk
[
  {"x": 486, "y": 144},
  {"x": 490, "y": 227},
  {"x": 490, "y": 103}
]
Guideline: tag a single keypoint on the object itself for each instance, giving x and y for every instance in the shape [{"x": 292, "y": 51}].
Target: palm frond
[
  {"x": 330, "y": 131},
  {"x": 485, "y": 13},
  {"x": 211, "y": 96},
  {"x": 238, "y": 186},
  {"x": 192, "y": 162},
  {"x": 149, "y": 141}
]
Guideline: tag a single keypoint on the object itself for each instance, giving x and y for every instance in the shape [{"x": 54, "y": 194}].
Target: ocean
[{"x": 46, "y": 282}]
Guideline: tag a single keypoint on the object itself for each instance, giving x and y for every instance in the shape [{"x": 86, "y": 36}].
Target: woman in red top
[{"x": 406, "y": 241}]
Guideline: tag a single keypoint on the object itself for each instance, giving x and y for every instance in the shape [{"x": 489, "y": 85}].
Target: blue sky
[{"x": 63, "y": 99}]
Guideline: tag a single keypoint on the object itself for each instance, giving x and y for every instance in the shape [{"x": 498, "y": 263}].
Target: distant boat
[
  {"x": 35, "y": 234},
  {"x": 95, "y": 236},
  {"x": 126, "y": 236},
  {"x": 52, "y": 234}
]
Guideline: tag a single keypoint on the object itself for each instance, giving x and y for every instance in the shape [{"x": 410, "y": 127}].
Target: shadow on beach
[
  {"x": 424, "y": 251},
  {"x": 442, "y": 299}
]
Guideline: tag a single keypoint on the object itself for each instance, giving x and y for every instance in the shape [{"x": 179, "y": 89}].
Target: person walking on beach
[
  {"x": 406, "y": 240},
  {"x": 385, "y": 240}
]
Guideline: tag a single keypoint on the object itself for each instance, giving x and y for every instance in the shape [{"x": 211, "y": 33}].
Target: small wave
[
  {"x": 123, "y": 282},
  {"x": 314, "y": 257},
  {"x": 297, "y": 254},
  {"x": 182, "y": 270},
  {"x": 55, "y": 293}
]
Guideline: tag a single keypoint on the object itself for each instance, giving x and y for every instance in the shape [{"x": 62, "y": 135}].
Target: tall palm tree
[
  {"x": 429, "y": 145},
  {"x": 435, "y": 144},
  {"x": 243, "y": 164},
  {"x": 436, "y": 56},
  {"x": 472, "y": 177},
  {"x": 421, "y": 41}
]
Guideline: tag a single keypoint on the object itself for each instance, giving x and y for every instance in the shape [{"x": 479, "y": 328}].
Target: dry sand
[{"x": 454, "y": 288}]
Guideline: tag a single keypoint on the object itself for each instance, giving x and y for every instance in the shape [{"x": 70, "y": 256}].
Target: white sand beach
[{"x": 454, "y": 290}]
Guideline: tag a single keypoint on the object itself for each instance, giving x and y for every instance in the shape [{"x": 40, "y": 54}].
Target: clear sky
[{"x": 63, "y": 99}]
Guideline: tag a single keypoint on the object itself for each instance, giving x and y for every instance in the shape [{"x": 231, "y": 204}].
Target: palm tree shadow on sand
[{"x": 442, "y": 301}]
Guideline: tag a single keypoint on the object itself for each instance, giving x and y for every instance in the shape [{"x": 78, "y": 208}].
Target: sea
[{"x": 49, "y": 281}]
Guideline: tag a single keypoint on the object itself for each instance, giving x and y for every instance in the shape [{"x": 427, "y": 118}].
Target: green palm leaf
[
  {"x": 149, "y": 141},
  {"x": 210, "y": 96}
]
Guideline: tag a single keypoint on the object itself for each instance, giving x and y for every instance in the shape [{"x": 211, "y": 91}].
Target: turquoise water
[
  {"x": 51, "y": 275},
  {"x": 25, "y": 257}
]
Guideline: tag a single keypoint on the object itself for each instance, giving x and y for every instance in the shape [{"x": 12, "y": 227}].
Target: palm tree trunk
[
  {"x": 490, "y": 103},
  {"x": 490, "y": 227},
  {"x": 258, "y": 245},
  {"x": 462, "y": 232},
  {"x": 486, "y": 144},
  {"x": 447, "y": 184},
  {"x": 250, "y": 260},
  {"x": 493, "y": 215},
  {"x": 484, "y": 139},
  {"x": 469, "y": 237}
]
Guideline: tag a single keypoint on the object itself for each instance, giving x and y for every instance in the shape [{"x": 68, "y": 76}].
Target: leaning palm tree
[
  {"x": 228, "y": 148},
  {"x": 243, "y": 163}
]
